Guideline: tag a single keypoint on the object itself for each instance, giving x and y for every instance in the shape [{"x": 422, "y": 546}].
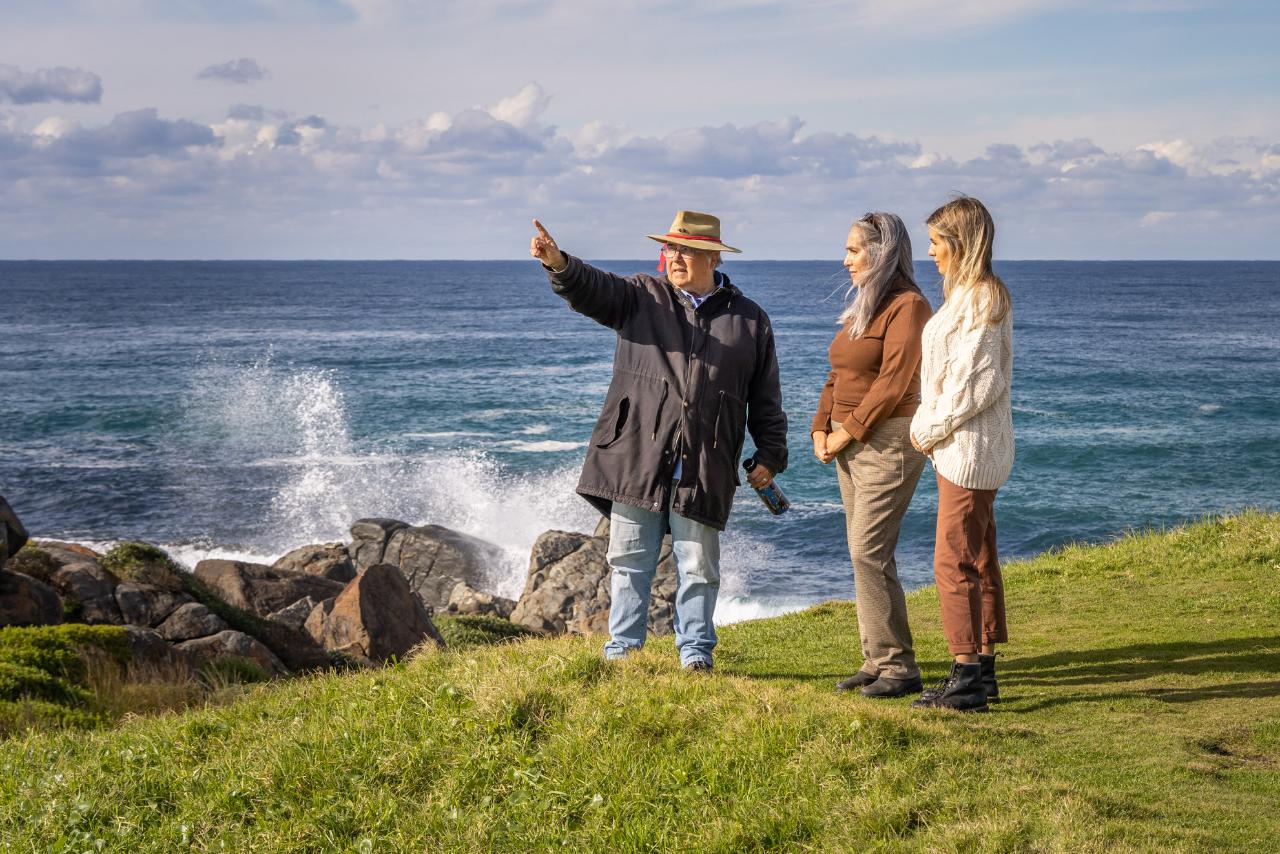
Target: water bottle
[{"x": 772, "y": 495}]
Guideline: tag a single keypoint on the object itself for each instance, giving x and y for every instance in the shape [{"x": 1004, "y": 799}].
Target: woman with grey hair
[{"x": 863, "y": 423}]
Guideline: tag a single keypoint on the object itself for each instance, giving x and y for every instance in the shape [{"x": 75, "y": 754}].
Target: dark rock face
[
  {"x": 434, "y": 559},
  {"x": 376, "y": 617},
  {"x": 261, "y": 589},
  {"x": 329, "y": 560},
  {"x": 465, "y": 599},
  {"x": 295, "y": 615},
  {"x": 27, "y": 601},
  {"x": 230, "y": 644},
  {"x": 369, "y": 538},
  {"x": 568, "y": 586},
  {"x": 146, "y": 604},
  {"x": 191, "y": 620},
  {"x": 90, "y": 590},
  {"x": 297, "y": 649},
  {"x": 150, "y": 657}
]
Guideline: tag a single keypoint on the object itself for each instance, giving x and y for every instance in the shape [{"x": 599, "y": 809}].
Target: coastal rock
[
  {"x": 369, "y": 538},
  {"x": 567, "y": 590},
  {"x": 434, "y": 559},
  {"x": 465, "y": 599},
  {"x": 231, "y": 644},
  {"x": 376, "y": 617},
  {"x": 328, "y": 560},
  {"x": 295, "y": 615},
  {"x": 261, "y": 589},
  {"x": 147, "y": 604},
  {"x": 27, "y": 601},
  {"x": 40, "y": 559},
  {"x": 151, "y": 658},
  {"x": 89, "y": 591},
  {"x": 297, "y": 649},
  {"x": 73, "y": 549},
  {"x": 191, "y": 620}
]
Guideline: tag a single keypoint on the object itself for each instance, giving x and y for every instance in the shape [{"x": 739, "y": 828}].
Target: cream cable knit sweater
[{"x": 965, "y": 416}]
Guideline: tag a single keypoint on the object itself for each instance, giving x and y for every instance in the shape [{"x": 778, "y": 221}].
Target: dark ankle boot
[
  {"x": 988, "y": 665},
  {"x": 858, "y": 680},
  {"x": 961, "y": 691}
]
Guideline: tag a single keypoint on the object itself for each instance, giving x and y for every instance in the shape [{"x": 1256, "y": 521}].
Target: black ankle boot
[
  {"x": 961, "y": 691},
  {"x": 858, "y": 680},
  {"x": 988, "y": 665}
]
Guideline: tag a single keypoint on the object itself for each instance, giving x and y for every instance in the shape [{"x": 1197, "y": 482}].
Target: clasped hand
[{"x": 827, "y": 445}]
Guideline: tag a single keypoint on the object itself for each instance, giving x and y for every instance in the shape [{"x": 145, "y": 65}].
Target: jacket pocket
[
  {"x": 662, "y": 402},
  {"x": 620, "y": 415}
]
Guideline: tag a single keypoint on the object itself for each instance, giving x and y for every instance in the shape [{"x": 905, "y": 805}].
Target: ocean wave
[
  {"x": 293, "y": 425},
  {"x": 544, "y": 446},
  {"x": 738, "y": 609}
]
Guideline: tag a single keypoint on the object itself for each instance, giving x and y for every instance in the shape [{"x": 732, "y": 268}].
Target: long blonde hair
[{"x": 964, "y": 224}]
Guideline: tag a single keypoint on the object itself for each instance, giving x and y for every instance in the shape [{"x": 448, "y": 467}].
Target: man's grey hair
[{"x": 888, "y": 248}]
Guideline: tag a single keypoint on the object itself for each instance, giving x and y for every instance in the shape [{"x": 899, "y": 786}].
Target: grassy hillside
[{"x": 1141, "y": 712}]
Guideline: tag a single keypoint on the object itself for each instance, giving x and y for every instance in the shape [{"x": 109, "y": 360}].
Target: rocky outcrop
[
  {"x": 231, "y": 644},
  {"x": 189, "y": 621},
  {"x": 152, "y": 658},
  {"x": 369, "y": 539},
  {"x": 295, "y": 615},
  {"x": 567, "y": 589},
  {"x": 434, "y": 559},
  {"x": 261, "y": 589},
  {"x": 329, "y": 560},
  {"x": 88, "y": 590},
  {"x": 371, "y": 600},
  {"x": 376, "y": 617},
  {"x": 27, "y": 601},
  {"x": 146, "y": 604},
  {"x": 465, "y": 599}
]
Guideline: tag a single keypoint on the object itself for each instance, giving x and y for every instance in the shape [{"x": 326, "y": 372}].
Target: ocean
[{"x": 246, "y": 408}]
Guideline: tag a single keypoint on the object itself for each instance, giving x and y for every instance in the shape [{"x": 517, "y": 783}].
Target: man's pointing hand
[{"x": 543, "y": 247}]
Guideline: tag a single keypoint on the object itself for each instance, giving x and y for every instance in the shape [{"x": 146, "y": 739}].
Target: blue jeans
[{"x": 635, "y": 538}]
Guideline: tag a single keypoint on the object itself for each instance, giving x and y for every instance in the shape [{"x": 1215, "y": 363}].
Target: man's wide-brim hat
[{"x": 695, "y": 230}]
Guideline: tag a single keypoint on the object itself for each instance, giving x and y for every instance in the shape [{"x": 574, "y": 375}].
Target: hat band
[{"x": 691, "y": 237}]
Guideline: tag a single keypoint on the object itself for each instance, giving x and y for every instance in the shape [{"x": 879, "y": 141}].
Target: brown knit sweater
[{"x": 877, "y": 375}]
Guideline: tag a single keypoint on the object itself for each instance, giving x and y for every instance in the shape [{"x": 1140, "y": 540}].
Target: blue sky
[{"x": 399, "y": 129}]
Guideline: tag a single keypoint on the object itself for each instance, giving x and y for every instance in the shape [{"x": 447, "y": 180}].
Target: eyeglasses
[{"x": 671, "y": 250}]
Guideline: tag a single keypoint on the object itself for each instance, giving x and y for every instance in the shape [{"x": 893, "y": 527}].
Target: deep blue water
[{"x": 251, "y": 407}]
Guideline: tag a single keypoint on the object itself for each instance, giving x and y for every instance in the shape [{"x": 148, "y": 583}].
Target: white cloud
[
  {"x": 469, "y": 180},
  {"x": 523, "y": 108}
]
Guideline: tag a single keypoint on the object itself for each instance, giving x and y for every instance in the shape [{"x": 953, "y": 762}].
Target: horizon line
[{"x": 161, "y": 260}]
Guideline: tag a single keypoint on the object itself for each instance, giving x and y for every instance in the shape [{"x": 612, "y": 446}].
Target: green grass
[
  {"x": 45, "y": 675},
  {"x": 464, "y": 631},
  {"x": 1141, "y": 713}
]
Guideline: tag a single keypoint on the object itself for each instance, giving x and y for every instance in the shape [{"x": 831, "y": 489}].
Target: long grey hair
[{"x": 888, "y": 248}]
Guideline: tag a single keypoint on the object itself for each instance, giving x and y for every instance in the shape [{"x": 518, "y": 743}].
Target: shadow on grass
[{"x": 1228, "y": 659}]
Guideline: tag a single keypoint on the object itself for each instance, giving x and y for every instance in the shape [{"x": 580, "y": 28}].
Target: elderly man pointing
[{"x": 693, "y": 371}]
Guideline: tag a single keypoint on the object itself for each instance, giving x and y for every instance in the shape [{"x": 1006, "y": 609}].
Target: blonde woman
[
  {"x": 965, "y": 425},
  {"x": 862, "y": 424}
]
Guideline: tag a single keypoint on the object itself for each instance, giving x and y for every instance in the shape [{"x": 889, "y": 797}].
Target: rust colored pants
[{"x": 966, "y": 567}]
